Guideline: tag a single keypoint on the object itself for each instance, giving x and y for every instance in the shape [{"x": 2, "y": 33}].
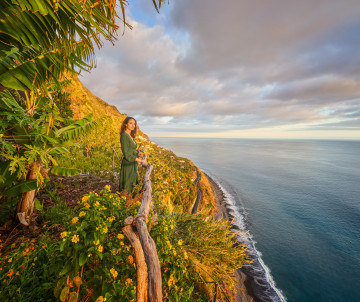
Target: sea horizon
[
  {"x": 299, "y": 201},
  {"x": 257, "y": 138}
]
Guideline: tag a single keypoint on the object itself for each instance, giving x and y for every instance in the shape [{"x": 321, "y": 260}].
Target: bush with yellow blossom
[{"x": 95, "y": 247}]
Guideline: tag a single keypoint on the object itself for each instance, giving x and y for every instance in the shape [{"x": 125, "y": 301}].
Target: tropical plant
[
  {"x": 31, "y": 140},
  {"x": 40, "y": 39},
  {"x": 93, "y": 259}
]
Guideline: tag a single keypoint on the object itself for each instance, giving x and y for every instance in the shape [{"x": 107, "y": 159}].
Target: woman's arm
[{"x": 128, "y": 152}]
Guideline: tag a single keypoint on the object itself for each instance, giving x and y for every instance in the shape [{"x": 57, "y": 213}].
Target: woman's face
[{"x": 131, "y": 125}]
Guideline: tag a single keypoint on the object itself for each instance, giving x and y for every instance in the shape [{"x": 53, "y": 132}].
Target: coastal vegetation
[{"x": 62, "y": 219}]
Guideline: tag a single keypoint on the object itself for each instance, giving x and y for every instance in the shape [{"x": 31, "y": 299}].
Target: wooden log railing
[
  {"x": 198, "y": 193},
  {"x": 149, "y": 282},
  {"x": 113, "y": 157},
  {"x": 217, "y": 285}
]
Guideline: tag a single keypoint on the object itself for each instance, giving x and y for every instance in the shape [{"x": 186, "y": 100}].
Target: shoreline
[{"x": 244, "y": 291}]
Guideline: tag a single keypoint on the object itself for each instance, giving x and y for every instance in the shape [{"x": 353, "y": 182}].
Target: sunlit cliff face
[{"x": 286, "y": 69}]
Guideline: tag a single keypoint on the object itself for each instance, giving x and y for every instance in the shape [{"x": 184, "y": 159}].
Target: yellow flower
[
  {"x": 87, "y": 205},
  {"x": 97, "y": 204},
  {"x": 96, "y": 194},
  {"x": 63, "y": 234},
  {"x": 75, "y": 238},
  {"x": 131, "y": 259},
  {"x": 85, "y": 198},
  {"x": 113, "y": 272},
  {"x": 82, "y": 213},
  {"x": 111, "y": 219},
  {"x": 121, "y": 243},
  {"x": 174, "y": 252},
  {"x": 96, "y": 242},
  {"x": 105, "y": 230},
  {"x": 120, "y": 236},
  {"x": 100, "y": 299},
  {"x": 185, "y": 255},
  {"x": 172, "y": 226},
  {"x": 100, "y": 248},
  {"x": 128, "y": 247},
  {"x": 107, "y": 188},
  {"x": 171, "y": 281},
  {"x": 128, "y": 280},
  {"x": 75, "y": 220},
  {"x": 180, "y": 242}
]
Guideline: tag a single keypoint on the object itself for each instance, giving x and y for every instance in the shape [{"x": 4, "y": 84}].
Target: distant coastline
[{"x": 244, "y": 290}]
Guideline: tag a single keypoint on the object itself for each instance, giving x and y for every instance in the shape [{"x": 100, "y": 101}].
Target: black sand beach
[{"x": 244, "y": 290}]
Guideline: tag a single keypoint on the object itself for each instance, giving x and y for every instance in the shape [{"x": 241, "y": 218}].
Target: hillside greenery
[
  {"x": 72, "y": 248},
  {"x": 92, "y": 250}
]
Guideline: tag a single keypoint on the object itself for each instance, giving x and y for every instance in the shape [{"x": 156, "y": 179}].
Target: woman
[{"x": 128, "y": 172}]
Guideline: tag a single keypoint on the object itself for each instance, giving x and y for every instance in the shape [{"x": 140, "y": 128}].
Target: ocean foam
[{"x": 262, "y": 271}]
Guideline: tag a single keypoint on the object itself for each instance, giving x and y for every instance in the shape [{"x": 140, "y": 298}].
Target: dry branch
[
  {"x": 141, "y": 268},
  {"x": 148, "y": 248}
]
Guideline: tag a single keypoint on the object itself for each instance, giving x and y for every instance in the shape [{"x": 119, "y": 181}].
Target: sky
[{"x": 236, "y": 69}]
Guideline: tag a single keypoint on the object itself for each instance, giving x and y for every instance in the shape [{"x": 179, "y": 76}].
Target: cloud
[{"x": 211, "y": 66}]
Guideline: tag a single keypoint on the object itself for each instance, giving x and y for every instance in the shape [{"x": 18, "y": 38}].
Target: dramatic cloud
[{"x": 211, "y": 66}]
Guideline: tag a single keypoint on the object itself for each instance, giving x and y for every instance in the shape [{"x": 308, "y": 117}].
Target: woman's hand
[{"x": 141, "y": 160}]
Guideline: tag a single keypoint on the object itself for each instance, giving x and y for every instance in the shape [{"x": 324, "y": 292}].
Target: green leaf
[
  {"x": 39, "y": 206},
  {"x": 67, "y": 268},
  {"x": 83, "y": 259},
  {"x": 61, "y": 171},
  {"x": 64, "y": 293},
  {"x": 62, "y": 246},
  {"x": 73, "y": 297},
  {"x": 21, "y": 187},
  {"x": 6, "y": 177}
]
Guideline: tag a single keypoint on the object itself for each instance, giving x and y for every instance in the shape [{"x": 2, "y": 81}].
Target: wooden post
[
  {"x": 216, "y": 290},
  {"x": 141, "y": 267},
  {"x": 113, "y": 158},
  {"x": 154, "y": 288}
]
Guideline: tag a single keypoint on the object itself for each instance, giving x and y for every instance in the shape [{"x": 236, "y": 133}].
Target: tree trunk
[
  {"x": 141, "y": 267},
  {"x": 25, "y": 206},
  {"x": 152, "y": 261}
]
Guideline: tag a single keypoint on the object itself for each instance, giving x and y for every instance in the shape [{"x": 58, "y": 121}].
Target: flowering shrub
[
  {"x": 172, "y": 180},
  {"x": 27, "y": 273},
  {"x": 97, "y": 252},
  {"x": 178, "y": 280},
  {"x": 94, "y": 261}
]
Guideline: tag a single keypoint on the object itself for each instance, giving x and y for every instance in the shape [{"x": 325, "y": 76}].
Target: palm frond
[
  {"x": 60, "y": 171},
  {"x": 76, "y": 129}
]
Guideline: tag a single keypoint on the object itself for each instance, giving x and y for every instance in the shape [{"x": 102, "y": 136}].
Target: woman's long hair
[{"x": 125, "y": 122}]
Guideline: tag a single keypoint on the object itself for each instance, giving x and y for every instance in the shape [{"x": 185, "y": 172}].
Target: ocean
[{"x": 300, "y": 201}]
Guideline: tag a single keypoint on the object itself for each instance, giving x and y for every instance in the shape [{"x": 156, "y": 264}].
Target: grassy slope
[
  {"x": 171, "y": 172},
  {"x": 182, "y": 240},
  {"x": 83, "y": 102}
]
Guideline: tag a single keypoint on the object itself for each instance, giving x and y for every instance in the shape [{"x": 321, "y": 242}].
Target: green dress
[{"x": 128, "y": 171}]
